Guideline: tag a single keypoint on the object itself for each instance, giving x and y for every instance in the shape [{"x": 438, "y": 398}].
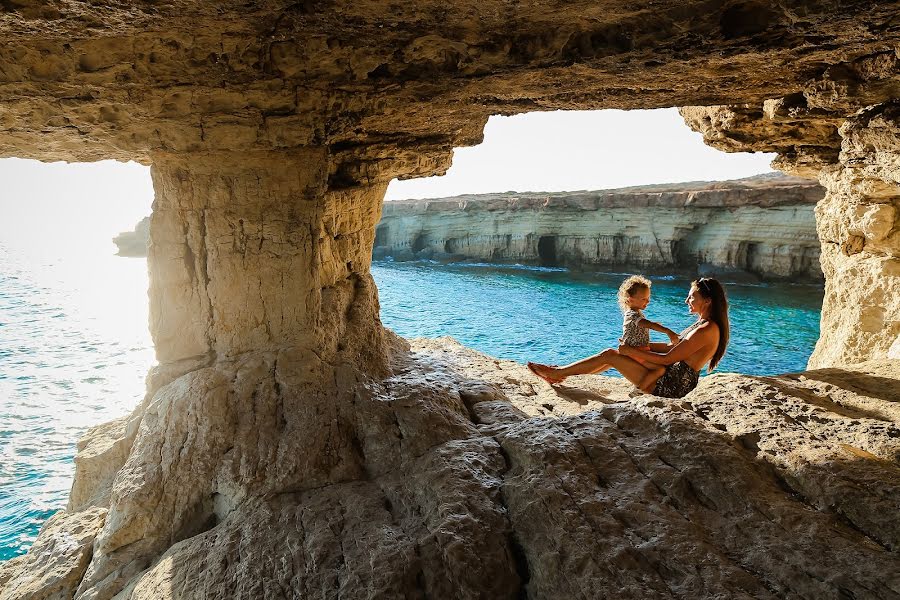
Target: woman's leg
[
  {"x": 648, "y": 383},
  {"x": 587, "y": 366},
  {"x": 630, "y": 369}
]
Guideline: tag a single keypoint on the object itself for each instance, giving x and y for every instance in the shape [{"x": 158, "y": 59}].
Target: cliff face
[
  {"x": 761, "y": 226},
  {"x": 134, "y": 243}
]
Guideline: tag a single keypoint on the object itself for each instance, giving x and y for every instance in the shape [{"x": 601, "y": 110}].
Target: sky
[
  {"x": 583, "y": 150},
  {"x": 62, "y": 207}
]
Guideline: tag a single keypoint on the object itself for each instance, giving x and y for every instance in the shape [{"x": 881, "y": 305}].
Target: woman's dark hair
[{"x": 713, "y": 291}]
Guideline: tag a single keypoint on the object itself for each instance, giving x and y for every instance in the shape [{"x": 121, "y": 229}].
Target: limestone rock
[
  {"x": 759, "y": 226},
  {"x": 273, "y": 129},
  {"x": 56, "y": 562},
  {"x": 394, "y": 90},
  {"x": 253, "y": 253},
  {"x": 462, "y": 476},
  {"x": 101, "y": 453},
  {"x": 851, "y": 146},
  {"x": 134, "y": 243}
]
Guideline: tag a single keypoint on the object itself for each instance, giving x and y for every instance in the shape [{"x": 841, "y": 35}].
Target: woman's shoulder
[
  {"x": 704, "y": 328},
  {"x": 709, "y": 328}
]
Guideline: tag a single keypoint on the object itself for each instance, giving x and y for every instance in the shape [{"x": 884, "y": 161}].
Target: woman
[{"x": 701, "y": 344}]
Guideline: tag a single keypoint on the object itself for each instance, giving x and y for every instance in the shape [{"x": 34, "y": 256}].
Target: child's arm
[{"x": 648, "y": 324}]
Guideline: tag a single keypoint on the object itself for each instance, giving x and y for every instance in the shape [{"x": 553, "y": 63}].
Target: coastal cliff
[
  {"x": 763, "y": 226},
  {"x": 134, "y": 243}
]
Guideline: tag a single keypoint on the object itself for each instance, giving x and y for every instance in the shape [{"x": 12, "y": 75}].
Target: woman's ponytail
[{"x": 713, "y": 291}]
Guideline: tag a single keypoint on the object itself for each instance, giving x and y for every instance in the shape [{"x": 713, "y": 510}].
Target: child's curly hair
[{"x": 630, "y": 287}]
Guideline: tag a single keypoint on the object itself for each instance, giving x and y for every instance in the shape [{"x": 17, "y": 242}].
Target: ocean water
[
  {"x": 555, "y": 316},
  {"x": 74, "y": 345},
  {"x": 74, "y": 350}
]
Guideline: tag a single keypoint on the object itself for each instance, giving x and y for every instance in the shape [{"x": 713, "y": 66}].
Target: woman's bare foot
[{"x": 545, "y": 372}]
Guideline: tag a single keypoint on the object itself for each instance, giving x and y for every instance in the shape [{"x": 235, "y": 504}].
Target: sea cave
[{"x": 290, "y": 446}]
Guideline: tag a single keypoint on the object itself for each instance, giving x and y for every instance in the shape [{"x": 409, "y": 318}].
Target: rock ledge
[{"x": 475, "y": 480}]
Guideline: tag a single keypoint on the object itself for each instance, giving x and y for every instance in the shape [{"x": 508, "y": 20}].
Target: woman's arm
[
  {"x": 648, "y": 324},
  {"x": 660, "y": 347},
  {"x": 696, "y": 340}
]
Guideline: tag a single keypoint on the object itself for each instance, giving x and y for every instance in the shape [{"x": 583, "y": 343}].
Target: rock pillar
[
  {"x": 859, "y": 226},
  {"x": 255, "y": 253},
  {"x": 265, "y": 320}
]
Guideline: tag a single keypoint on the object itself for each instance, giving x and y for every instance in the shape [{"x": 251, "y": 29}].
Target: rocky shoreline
[{"x": 760, "y": 227}]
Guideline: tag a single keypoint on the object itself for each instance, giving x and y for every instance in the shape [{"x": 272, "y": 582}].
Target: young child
[{"x": 634, "y": 296}]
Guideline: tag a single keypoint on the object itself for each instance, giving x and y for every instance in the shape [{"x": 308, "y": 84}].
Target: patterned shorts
[{"x": 677, "y": 381}]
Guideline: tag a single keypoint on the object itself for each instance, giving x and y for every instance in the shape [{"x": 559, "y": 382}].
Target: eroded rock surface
[
  {"x": 761, "y": 226},
  {"x": 462, "y": 476},
  {"x": 391, "y": 85},
  {"x": 56, "y": 561}
]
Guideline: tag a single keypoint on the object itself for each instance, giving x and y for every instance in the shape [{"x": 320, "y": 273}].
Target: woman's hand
[{"x": 625, "y": 350}]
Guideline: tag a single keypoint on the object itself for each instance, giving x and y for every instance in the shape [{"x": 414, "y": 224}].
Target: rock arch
[{"x": 281, "y": 405}]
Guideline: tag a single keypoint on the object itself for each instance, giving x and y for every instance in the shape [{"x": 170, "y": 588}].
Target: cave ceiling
[{"x": 400, "y": 84}]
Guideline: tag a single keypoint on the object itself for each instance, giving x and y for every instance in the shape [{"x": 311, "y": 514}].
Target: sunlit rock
[
  {"x": 464, "y": 476},
  {"x": 57, "y": 560}
]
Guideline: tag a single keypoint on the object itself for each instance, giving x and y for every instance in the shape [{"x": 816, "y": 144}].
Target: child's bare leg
[{"x": 648, "y": 382}]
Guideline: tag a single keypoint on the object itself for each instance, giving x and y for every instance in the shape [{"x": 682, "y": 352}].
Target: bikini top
[{"x": 697, "y": 324}]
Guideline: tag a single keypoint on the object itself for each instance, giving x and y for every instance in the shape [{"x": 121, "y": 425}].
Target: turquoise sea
[
  {"x": 74, "y": 346},
  {"x": 556, "y": 316}
]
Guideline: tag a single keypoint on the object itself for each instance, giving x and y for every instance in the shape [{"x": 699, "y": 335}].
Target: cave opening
[
  {"x": 649, "y": 225},
  {"x": 419, "y": 242},
  {"x": 382, "y": 234},
  {"x": 546, "y": 250},
  {"x": 75, "y": 321}
]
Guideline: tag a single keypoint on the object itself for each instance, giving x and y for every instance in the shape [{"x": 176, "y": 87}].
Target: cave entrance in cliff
[
  {"x": 382, "y": 233},
  {"x": 546, "y": 250}
]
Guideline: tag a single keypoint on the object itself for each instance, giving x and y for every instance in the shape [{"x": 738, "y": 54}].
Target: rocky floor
[{"x": 477, "y": 480}]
